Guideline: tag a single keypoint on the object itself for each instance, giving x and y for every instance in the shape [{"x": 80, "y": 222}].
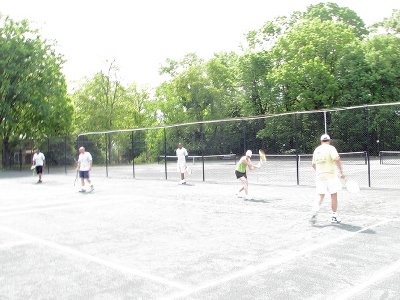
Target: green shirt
[{"x": 240, "y": 166}]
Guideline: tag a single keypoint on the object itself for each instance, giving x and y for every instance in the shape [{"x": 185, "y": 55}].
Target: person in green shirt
[{"x": 240, "y": 172}]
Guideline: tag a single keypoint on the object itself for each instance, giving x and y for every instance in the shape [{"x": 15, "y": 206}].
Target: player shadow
[
  {"x": 258, "y": 200},
  {"x": 347, "y": 227}
]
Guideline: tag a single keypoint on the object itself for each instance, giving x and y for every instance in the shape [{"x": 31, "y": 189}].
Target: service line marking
[
  {"x": 270, "y": 263},
  {"x": 376, "y": 277},
  {"x": 76, "y": 253}
]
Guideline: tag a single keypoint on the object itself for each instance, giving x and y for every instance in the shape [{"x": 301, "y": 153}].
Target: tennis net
[
  {"x": 354, "y": 158},
  {"x": 198, "y": 159},
  {"x": 389, "y": 157}
]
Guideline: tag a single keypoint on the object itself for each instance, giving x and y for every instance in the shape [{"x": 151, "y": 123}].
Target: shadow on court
[{"x": 347, "y": 227}]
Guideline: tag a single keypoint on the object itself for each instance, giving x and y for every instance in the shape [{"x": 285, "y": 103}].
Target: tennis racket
[
  {"x": 76, "y": 177},
  {"x": 33, "y": 170},
  {"x": 188, "y": 171},
  {"x": 351, "y": 186}
]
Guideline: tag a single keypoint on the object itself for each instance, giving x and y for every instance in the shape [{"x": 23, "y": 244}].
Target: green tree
[
  {"x": 33, "y": 93},
  {"x": 391, "y": 25}
]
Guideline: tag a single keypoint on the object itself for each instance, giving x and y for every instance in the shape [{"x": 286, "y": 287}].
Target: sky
[{"x": 141, "y": 35}]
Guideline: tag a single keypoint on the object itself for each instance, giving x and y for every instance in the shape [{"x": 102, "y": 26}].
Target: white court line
[
  {"x": 95, "y": 203},
  {"x": 376, "y": 277},
  {"x": 14, "y": 244},
  {"x": 269, "y": 263},
  {"x": 40, "y": 204},
  {"x": 76, "y": 253}
]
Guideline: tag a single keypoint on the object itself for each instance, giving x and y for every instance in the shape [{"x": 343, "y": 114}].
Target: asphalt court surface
[{"x": 152, "y": 239}]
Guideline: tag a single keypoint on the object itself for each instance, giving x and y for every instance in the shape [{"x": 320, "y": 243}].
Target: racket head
[
  {"x": 188, "y": 171},
  {"x": 352, "y": 186},
  {"x": 32, "y": 167},
  {"x": 263, "y": 158}
]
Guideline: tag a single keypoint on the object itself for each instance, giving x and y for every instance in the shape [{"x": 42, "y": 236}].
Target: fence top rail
[
  {"x": 248, "y": 118},
  {"x": 389, "y": 152}
]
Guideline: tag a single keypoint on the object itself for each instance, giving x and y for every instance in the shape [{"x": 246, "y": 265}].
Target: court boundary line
[
  {"x": 9, "y": 245},
  {"x": 109, "y": 264},
  {"x": 62, "y": 206},
  {"x": 270, "y": 263},
  {"x": 378, "y": 276}
]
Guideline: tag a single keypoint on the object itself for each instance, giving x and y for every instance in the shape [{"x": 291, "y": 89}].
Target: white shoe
[
  {"x": 335, "y": 219},
  {"x": 313, "y": 218},
  {"x": 239, "y": 195},
  {"x": 248, "y": 197}
]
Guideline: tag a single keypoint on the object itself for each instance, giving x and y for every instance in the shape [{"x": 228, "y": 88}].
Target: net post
[
  {"x": 105, "y": 135},
  {"x": 165, "y": 154},
  {"x": 133, "y": 156},
  {"x": 380, "y": 157}
]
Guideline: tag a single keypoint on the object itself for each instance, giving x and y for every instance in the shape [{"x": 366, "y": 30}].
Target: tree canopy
[{"x": 33, "y": 91}]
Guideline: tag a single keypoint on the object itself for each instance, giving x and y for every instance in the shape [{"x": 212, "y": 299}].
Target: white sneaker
[
  {"x": 335, "y": 219},
  {"x": 248, "y": 197},
  {"x": 239, "y": 195},
  {"x": 313, "y": 218}
]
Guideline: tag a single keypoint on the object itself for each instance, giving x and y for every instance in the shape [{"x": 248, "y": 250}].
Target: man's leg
[
  {"x": 245, "y": 187},
  {"x": 81, "y": 175},
  {"x": 89, "y": 182},
  {"x": 334, "y": 205}
]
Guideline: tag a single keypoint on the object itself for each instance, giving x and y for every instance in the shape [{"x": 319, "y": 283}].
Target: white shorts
[
  {"x": 328, "y": 186},
  {"x": 181, "y": 167}
]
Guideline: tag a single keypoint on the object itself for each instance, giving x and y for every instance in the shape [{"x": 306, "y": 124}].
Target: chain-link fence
[{"x": 367, "y": 137}]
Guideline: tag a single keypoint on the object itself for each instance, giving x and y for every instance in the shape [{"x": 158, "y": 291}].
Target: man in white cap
[
  {"x": 38, "y": 162},
  {"x": 325, "y": 157},
  {"x": 181, "y": 155},
  {"x": 84, "y": 166},
  {"x": 240, "y": 172}
]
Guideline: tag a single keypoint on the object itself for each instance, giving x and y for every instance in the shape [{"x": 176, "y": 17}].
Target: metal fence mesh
[{"x": 367, "y": 138}]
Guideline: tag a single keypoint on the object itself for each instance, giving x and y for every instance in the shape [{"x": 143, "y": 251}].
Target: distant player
[
  {"x": 181, "y": 155},
  {"x": 325, "y": 157},
  {"x": 240, "y": 172},
  {"x": 38, "y": 162},
  {"x": 84, "y": 166}
]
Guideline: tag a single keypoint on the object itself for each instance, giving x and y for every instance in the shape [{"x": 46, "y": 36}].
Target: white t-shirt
[
  {"x": 181, "y": 155},
  {"x": 38, "y": 159},
  {"x": 84, "y": 161}
]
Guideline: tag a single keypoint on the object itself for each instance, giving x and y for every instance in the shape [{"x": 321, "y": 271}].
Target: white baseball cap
[
  {"x": 249, "y": 153},
  {"x": 325, "y": 138}
]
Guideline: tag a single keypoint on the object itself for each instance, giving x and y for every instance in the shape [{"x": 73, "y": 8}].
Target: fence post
[
  {"x": 106, "y": 154},
  {"x": 244, "y": 138},
  {"x": 202, "y": 149},
  {"x": 133, "y": 156},
  {"x": 297, "y": 151},
  {"x": 65, "y": 154},
  {"x": 366, "y": 115},
  {"x": 165, "y": 154},
  {"x": 48, "y": 153}
]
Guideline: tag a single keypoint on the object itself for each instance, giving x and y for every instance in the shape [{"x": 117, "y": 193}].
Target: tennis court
[{"x": 155, "y": 239}]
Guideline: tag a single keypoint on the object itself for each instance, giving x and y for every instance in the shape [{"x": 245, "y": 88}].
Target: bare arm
[{"x": 339, "y": 164}]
